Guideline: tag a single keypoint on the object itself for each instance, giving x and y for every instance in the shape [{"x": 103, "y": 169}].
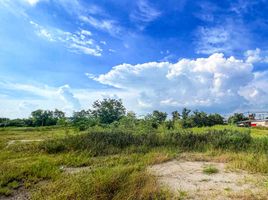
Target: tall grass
[
  {"x": 111, "y": 142},
  {"x": 104, "y": 184}
]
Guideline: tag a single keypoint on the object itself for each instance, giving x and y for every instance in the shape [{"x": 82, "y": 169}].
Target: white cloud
[
  {"x": 227, "y": 37},
  {"x": 67, "y": 96},
  {"x": 35, "y": 96},
  {"x": 32, "y": 2},
  {"x": 256, "y": 92},
  {"x": 107, "y": 25},
  {"x": 256, "y": 56},
  {"x": 79, "y": 42},
  {"x": 144, "y": 12},
  {"x": 216, "y": 83}
]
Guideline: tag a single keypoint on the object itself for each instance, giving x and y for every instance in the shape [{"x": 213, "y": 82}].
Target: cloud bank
[{"x": 215, "y": 83}]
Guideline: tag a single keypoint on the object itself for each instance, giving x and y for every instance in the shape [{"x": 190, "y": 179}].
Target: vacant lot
[{"x": 62, "y": 163}]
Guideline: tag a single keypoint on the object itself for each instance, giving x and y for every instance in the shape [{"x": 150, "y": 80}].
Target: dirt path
[{"x": 187, "y": 180}]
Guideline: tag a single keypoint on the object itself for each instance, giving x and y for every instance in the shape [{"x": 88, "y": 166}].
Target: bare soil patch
[
  {"x": 74, "y": 170},
  {"x": 188, "y": 180},
  {"x": 11, "y": 142},
  {"x": 19, "y": 194}
]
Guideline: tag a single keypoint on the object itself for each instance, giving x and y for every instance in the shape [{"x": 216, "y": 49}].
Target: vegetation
[
  {"x": 109, "y": 111},
  {"x": 210, "y": 169},
  {"x": 115, "y": 149}
]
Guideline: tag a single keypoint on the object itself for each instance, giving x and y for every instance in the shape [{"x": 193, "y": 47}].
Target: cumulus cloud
[
  {"x": 67, "y": 96},
  {"x": 215, "y": 83},
  {"x": 256, "y": 92},
  {"x": 78, "y": 42},
  {"x": 256, "y": 56}
]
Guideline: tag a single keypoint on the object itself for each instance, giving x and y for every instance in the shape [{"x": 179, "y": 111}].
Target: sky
[{"x": 208, "y": 55}]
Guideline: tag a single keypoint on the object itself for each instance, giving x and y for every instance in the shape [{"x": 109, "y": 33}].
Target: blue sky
[{"x": 164, "y": 54}]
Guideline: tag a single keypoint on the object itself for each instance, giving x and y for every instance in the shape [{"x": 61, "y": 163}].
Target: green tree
[
  {"x": 83, "y": 119},
  {"x": 43, "y": 118},
  {"x": 159, "y": 116},
  {"x": 108, "y": 110},
  {"x": 38, "y": 117},
  {"x": 199, "y": 119},
  {"x": 175, "y": 115},
  {"x": 236, "y": 118},
  {"x": 185, "y": 113},
  {"x": 214, "y": 119},
  {"x": 58, "y": 114}
]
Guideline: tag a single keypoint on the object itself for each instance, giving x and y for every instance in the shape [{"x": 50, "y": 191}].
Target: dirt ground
[
  {"x": 188, "y": 181},
  {"x": 11, "y": 142},
  {"x": 20, "y": 194}
]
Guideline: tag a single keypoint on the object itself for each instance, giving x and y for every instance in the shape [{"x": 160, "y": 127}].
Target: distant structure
[{"x": 255, "y": 119}]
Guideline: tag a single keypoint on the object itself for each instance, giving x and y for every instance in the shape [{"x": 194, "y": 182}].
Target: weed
[
  {"x": 5, "y": 191},
  {"x": 210, "y": 169}
]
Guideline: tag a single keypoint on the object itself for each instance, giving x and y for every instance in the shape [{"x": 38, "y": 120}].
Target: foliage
[
  {"x": 175, "y": 115},
  {"x": 113, "y": 141},
  {"x": 236, "y": 118},
  {"x": 38, "y": 118},
  {"x": 108, "y": 111},
  {"x": 83, "y": 120},
  {"x": 200, "y": 119},
  {"x": 112, "y": 113},
  {"x": 116, "y": 158}
]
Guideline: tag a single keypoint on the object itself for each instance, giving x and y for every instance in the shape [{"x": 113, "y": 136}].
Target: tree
[
  {"x": 83, "y": 119},
  {"x": 175, "y": 115},
  {"x": 186, "y": 122},
  {"x": 129, "y": 121},
  {"x": 214, "y": 119},
  {"x": 236, "y": 118},
  {"x": 199, "y": 119},
  {"x": 38, "y": 117},
  {"x": 159, "y": 116},
  {"x": 46, "y": 117},
  {"x": 185, "y": 113},
  {"x": 58, "y": 114},
  {"x": 156, "y": 118},
  {"x": 108, "y": 110}
]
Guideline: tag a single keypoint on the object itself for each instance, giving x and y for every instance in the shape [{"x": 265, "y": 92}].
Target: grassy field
[{"x": 62, "y": 163}]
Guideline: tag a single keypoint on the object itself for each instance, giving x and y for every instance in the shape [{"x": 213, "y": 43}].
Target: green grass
[
  {"x": 118, "y": 160},
  {"x": 210, "y": 169}
]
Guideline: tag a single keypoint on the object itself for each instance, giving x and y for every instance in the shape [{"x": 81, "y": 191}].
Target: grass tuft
[{"x": 210, "y": 169}]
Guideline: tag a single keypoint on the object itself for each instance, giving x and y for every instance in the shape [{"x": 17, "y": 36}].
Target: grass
[
  {"x": 118, "y": 160},
  {"x": 210, "y": 169}
]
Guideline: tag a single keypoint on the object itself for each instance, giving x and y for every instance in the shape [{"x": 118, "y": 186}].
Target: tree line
[{"x": 112, "y": 112}]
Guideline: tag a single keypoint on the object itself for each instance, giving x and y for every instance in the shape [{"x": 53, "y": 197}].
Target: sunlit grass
[{"x": 117, "y": 162}]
